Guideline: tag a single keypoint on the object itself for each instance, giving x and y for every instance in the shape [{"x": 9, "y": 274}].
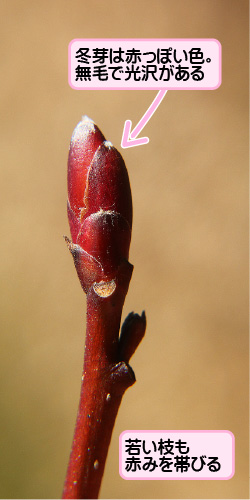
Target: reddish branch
[{"x": 100, "y": 217}]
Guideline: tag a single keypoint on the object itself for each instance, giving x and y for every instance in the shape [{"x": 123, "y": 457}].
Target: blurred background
[{"x": 189, "y": 245}]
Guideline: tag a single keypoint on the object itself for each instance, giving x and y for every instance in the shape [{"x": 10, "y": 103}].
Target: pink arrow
[{"x": 129, "y": 139}]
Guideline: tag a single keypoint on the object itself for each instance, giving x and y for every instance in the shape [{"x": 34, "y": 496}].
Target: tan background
[{"x": 189, "y": 246}]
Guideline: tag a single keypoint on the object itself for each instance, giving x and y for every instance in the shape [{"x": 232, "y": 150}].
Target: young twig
[{"x": 100, "y": 217}]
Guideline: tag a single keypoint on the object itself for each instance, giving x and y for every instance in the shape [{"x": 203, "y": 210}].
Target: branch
[{"x": 100, "y": 217}]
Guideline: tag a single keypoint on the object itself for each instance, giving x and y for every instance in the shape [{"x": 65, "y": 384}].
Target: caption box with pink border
[
  {"x": 178, "y": 455},
  {"x": 144, "y": 64}
]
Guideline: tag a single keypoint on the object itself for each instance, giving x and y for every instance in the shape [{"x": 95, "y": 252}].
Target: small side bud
[{"x": 132, "y": 333}]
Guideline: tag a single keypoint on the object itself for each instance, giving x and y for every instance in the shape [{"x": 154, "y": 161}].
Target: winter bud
[{"x": 99, "y": 205}]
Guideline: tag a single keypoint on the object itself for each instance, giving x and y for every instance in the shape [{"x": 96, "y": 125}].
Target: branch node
[{"x": 122, "y": 377}]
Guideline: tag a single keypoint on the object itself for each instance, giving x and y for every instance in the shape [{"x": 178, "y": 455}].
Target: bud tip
[
  {"x": 108, "y": 144},
  {"x": 86, "y": 119}
]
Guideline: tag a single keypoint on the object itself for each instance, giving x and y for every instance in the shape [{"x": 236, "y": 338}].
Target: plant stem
[
  {"x": 100, "y": 219},
  {"x": 105, "y": 378}
]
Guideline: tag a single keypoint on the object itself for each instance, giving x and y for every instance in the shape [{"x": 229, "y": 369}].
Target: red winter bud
[{"x": 99, "y": 205}]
